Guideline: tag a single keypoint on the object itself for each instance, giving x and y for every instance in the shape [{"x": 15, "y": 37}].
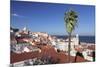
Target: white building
[
  {"x": 74, "y": 41},
  {"x": 63, "y": 45}
]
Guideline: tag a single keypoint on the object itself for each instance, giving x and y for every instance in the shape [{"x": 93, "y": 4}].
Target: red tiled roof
[
  {"x": 45, "y": 51},
  {"x": 23, "y": 56},
  {"x": 92, "y": 47}
]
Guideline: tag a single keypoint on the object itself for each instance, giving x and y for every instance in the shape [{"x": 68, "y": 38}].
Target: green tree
[{"x": 70, "y": 19}]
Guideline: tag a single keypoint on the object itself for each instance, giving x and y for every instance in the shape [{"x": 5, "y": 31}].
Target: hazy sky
[{"x": 47, "y": 17}]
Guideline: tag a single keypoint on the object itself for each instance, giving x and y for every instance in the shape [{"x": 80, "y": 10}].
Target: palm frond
[{"x": 70, "y": 20}]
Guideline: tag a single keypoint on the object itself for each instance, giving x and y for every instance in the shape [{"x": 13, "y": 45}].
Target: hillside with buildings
[{"x": 38, "y": 48}]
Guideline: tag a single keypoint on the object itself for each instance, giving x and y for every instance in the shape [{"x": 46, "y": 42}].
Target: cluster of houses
[
  {"x": 25, "y": 38},
  {"x": 22, "y": 41}
]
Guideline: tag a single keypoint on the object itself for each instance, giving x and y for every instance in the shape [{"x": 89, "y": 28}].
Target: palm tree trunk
[{"x": 69, "y": 44}]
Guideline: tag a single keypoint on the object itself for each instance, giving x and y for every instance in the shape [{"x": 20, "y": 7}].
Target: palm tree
[{"x": 70, "y": 18}]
